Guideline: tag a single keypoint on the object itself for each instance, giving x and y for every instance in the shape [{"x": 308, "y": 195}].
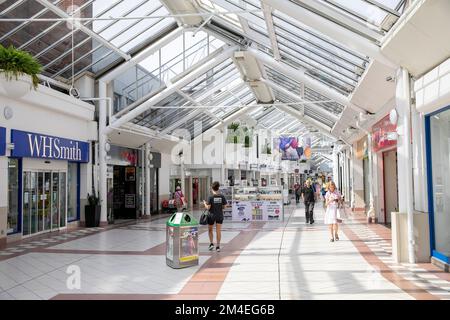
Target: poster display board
[
  {"x": 188, "y": 244},
  {"x": 257, "y": 204},
  {"x": 242, "y": 211},
  {"x": 272, "y": 210},
  {"x": 170, "y": 239}
]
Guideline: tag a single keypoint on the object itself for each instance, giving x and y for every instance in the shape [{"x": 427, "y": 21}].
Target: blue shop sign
[
  {"x": 35, "y": 145},
  {"x": 2, "y": 141}
]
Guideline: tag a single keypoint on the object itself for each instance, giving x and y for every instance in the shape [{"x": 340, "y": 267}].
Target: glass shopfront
[
  {"x": 13, "y": 196},
  {"x": 438, "y": 165},
  {"x": 43, "y": 182},
  {"x": 73, "y": 185},
  {"x": 44, "y": 201}
]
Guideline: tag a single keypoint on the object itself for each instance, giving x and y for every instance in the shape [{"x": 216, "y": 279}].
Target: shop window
[
  {"x": 440, "y": 155},
  {"x": 72, "y": 194},
  {"x": 13, "y": 196}
]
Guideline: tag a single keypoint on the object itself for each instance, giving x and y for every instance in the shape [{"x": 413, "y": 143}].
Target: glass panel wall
[
  {"x": 62, "y": 199},
  {"x": 44, "y": 201},
  {"x": 72, "y": 183},
  {"x": 55, "y": 200},
  {"x": 440, "y": 154}
]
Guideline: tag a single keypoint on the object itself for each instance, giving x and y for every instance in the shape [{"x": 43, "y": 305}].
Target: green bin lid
[{"x": 180, "y": 219}]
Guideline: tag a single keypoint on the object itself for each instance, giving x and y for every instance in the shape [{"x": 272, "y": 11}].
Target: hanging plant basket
[
  {"x": 234, "y": 133},
  {"x": 18, "y": 71}
]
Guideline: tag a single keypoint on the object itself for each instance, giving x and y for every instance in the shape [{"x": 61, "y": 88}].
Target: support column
[
  {"x": 352, "y": 178},
  {"x": 371, "y": 213},
  {"x": 406, "y": 198},
  {"x": 148, "y": 167},
  {"x": 222, "y": 167},
  {"x": 102, "y": 153},
  {"x": 143, "y": 173},
  {"x": 183, "y": 176},
  {"x": 335, "y": 168}
]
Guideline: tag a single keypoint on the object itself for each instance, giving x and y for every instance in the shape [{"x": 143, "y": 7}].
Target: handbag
[{"x": 204, "y": 218}]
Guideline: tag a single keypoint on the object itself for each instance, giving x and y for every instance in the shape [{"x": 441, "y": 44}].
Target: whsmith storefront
[{"x": 44, "y": 182}]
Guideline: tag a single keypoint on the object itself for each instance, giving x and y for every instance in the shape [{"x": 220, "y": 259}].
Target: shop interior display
[{"x": 228, "y": 193}]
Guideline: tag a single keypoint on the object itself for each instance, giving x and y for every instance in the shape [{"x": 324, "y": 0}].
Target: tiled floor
[{"x": 276, "y": 260}]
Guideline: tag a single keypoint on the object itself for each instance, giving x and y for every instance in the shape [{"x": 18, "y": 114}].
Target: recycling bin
[{"x": 182, "y": 241}]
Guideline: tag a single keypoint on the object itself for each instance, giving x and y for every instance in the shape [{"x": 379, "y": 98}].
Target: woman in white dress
[{"x": 332, "y": 200}]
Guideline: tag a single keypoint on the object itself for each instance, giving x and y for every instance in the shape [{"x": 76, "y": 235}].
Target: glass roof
[
  {"x": 374, "y": 12},
  {"x": 116, "y": 30},
  {"x": 51, "y": 42}
]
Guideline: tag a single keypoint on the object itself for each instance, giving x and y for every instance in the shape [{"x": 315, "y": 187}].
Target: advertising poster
[
  {"x": 257, "y": 210},
  {"x": 242, "y": 211},
  {"x": 272, "y": 210},
  {"x": 188, "y": 244},
  {"x": 169, "y": 247},
  {"x": 130, "y": 201},
  {"x": 384, "y": 134}
]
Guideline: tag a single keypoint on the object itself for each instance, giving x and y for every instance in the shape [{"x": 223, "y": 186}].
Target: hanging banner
[
  {"x": 384, "y": 134},
  {"x": 2, "y": 141},
  {"x": 35, "y": 145}
]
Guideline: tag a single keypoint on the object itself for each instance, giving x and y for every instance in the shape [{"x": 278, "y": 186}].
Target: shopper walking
[
  {"x": 324, "y": 193},
  {"x": 216, "y": 203},
  {"x": 297, "y": 191},
  {"x": 309, "y": 199},
  {"x": 179, "y": 198},
  {"x": 332, "y": 201}
]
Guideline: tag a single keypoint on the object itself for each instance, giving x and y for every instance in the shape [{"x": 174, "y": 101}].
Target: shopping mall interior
[{"x": 318, "y": 119}]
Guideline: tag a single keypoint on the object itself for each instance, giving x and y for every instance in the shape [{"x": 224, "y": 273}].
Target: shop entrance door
[
  {"x": 44, "y": 205},
  {"x": 390, "y": 184},
  {"x": 124, "y": 192},
  {"x": 204, "y": 189}
]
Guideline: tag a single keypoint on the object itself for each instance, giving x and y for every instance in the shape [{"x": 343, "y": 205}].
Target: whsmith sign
[{"x": 35, "y": 145}]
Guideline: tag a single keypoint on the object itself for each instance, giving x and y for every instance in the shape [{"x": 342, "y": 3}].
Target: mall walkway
[{"x": 128, "y": 262}]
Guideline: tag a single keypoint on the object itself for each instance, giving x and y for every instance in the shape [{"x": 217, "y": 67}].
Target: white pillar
[
  {"x": 183, "y": 176},
  {"x": 406, "y": 197},
  {"x": 335, "y": 168},
  {"x": 148, "y": 167},
  {"x": 143, "y": 180},
  {"x": 102, "y": 153},
  {"x": 371, "y": 212},
  {"x": 352, "y": 179},
  {"x": 222, "y": 167},
  {"x": 419, "y": 162}
]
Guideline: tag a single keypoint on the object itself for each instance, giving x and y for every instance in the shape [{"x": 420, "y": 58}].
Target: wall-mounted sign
[
  {"x": 35, "y": 145},
  {"x": 2, "y": 141},
  {"x": 361, "y": 149},
  {"x": 384, "y": 134},
  {"x": 130, "y": 201},
  {"x": 130, "y": 174}
]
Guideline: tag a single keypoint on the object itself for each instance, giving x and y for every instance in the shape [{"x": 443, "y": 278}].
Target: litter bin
[{"x": 182, "y": 241}]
